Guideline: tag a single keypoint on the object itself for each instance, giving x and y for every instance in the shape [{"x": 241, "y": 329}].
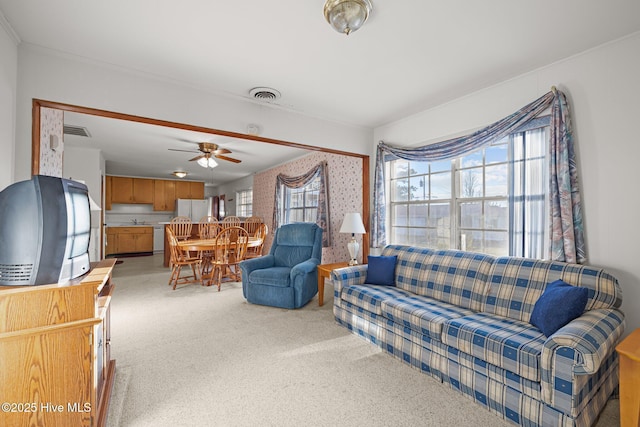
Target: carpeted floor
[{"x": 198, "y": 357}]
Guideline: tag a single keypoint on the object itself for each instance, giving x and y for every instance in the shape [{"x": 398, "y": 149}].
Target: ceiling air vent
[
  {"x": 76, "y": 130},
  {"x": 264, "y": 94}
]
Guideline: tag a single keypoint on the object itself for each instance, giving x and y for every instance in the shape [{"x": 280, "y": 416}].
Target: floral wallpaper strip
[
  {"x": 345, "y": 195},
  {"x": 51, "y": 123}
]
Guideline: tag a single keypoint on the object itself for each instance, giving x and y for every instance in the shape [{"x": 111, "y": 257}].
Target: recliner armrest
[
  {"x": 265, "y": 261},
  {"x": 304, "y": 267}
]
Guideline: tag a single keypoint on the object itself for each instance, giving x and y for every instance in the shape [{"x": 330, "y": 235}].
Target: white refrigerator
[{"x": 193, "y": 208}]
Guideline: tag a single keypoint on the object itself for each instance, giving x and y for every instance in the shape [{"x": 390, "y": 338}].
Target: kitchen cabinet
[
  {"x": 111, "y": 236},
  {"x": 107, "y": 193},
  {"x": 164, "y": 195},
  {"x": 55, "y": 348},
  {"x": 129, "y": 240},
  {"x": 131, "y": 190},
  {"x": 189, "y": 190}
]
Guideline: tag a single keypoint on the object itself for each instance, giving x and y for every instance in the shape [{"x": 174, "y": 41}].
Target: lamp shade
[{"x": 352, "y": 223}]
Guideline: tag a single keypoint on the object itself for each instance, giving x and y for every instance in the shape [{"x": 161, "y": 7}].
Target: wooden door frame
[{"x": 38, "y": 104}]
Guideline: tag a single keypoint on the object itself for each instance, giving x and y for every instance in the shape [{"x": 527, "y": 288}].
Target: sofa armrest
[
  {"x": 580, "y": 349},
  {"x": 593, "y": 336},
  {"x": 354, "y": 275}
]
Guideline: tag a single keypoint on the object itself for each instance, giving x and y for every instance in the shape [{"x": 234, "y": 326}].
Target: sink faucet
[{"x": 135, "y": 221}]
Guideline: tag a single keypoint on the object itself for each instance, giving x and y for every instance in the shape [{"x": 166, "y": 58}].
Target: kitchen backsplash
[{"x": 123, "y": 214}]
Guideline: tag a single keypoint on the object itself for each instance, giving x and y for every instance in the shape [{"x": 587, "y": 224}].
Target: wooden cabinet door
[
  {"x": 112, "y": 242},
  {"x": 183, "y": 190},
  {"x": 121, "y": 189},
  {"x": 164, "y": 195},
  {"x": 189, "y": 190},
  {"x": 107, "y": 193},
  {"x": 197, "y": 190},
  {"x": 144, "y": 241},
  {"x": 126, "y": 243},
  {"x": 170, "y": 195},
  {"x": 142, "y": 190}
]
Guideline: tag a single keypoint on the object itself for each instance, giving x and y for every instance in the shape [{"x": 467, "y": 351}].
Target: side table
[
  {"x": 629, "y": 351},
  {"x": 324, "y": 271}
]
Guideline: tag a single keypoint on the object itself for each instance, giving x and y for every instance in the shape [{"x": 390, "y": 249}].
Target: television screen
[{"x": 44, "y": 231}]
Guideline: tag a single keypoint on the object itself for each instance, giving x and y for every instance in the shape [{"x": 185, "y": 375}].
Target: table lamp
[{"x": 352, "y": 223}]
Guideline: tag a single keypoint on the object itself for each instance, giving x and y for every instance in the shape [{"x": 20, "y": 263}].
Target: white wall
[
  {"x": 87, "y": 164},
  {"x": 603, "y": 89},
  {"x": 8, "y": 85},
  {"x": 229, "y": 190},
  {"x": 52, "y": 77}
]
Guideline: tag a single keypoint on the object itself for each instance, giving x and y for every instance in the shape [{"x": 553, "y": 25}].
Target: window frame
[
  {"x": 306, "y": 193},
  {"x": 241, "y": 202},
  {"x": 456, "y": 201}
]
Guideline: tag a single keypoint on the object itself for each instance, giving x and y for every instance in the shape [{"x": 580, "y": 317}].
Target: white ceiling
[{"x": 409, "y": 56}]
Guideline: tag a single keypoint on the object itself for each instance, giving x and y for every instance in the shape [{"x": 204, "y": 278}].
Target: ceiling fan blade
[
  {"x": 230, "y": 159},
  {"x": 185, "y": 151},
  {"x": 221, "y": 151},
  {"x": 197, "y": 157}
]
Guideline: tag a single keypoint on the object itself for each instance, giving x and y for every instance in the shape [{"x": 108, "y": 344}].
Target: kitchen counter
[{"x": 130, "y": 224}]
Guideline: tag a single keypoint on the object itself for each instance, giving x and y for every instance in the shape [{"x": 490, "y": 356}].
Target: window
[
  {"x": 492, "y": 200},
  {"x": 244, "y": 203},
  {"x": 301, "y": 204}
]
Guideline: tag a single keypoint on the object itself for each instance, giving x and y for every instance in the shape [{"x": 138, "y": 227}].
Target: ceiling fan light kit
[
  {"x": 347, "y": 16},
  {"x": 207, "y": 162},
  {"x": 208, "y": 151}
]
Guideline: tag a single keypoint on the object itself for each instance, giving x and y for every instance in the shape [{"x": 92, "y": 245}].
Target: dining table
[{"x": 210, "y": 245}]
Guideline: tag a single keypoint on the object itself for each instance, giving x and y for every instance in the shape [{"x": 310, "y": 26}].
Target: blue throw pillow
[
  {"x": 558, "y": 305},
  {"x": 381, "y": 270}
]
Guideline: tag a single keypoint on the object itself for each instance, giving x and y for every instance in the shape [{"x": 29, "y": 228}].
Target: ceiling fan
[{"x": 209, "y": 150}]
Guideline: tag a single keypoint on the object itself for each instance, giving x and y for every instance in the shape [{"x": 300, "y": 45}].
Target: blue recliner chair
[{"x": 287, "y": 277}]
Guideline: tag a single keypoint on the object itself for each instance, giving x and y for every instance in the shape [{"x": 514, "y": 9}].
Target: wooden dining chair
[
  {"x": 231, "y": 221},
  {"x": 207, "y": 227},
  {"x": 179, "y": 259},
  {"x": 260, "y": 233},
  {"x": 251, "y": 224},
  {"x": 230, "y": 249},
  {"x": 181, "y": 227}
]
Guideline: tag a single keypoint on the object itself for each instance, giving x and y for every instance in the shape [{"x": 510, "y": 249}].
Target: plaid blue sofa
[{"x": 463, "y": 318}]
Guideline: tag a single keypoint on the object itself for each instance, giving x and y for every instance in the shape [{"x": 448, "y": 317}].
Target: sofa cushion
[
  {"x": 507, "y": 343},
  {"x": 558, "y": 305},
  {"x": 516, "y": 284},
  {"x": 369, "y": 297},
  {"x": 422, "y": 314},
  {"x": 459, "y": 278},
  {"x": 381, "y": 270},
  {"x": 274, "y": 276}
]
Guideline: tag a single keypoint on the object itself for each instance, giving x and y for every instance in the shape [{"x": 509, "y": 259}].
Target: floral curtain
[
  {"x": 567, "y": 241},
  {"x": 322, "y": 216},
  {"x": 566, "y": 228}
]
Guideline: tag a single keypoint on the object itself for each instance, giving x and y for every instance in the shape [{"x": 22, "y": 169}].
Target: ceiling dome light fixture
[
  {"x": 180, "y": 174},
  {"x": 207, "y": 162},
  {"x": 346, "y": 16}
]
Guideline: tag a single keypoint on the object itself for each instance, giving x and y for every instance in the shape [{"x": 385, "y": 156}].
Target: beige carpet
[{"x": 198, "y": 357}]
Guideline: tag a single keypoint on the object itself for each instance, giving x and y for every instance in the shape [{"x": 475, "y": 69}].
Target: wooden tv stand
[{"x": 55, "y": 360}]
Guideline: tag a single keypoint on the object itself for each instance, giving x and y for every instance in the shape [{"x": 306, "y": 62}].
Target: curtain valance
[{"x": 567, "y": 235}]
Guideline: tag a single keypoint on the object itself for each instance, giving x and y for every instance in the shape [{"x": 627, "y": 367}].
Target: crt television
[{"x": 45, "y": 224}]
